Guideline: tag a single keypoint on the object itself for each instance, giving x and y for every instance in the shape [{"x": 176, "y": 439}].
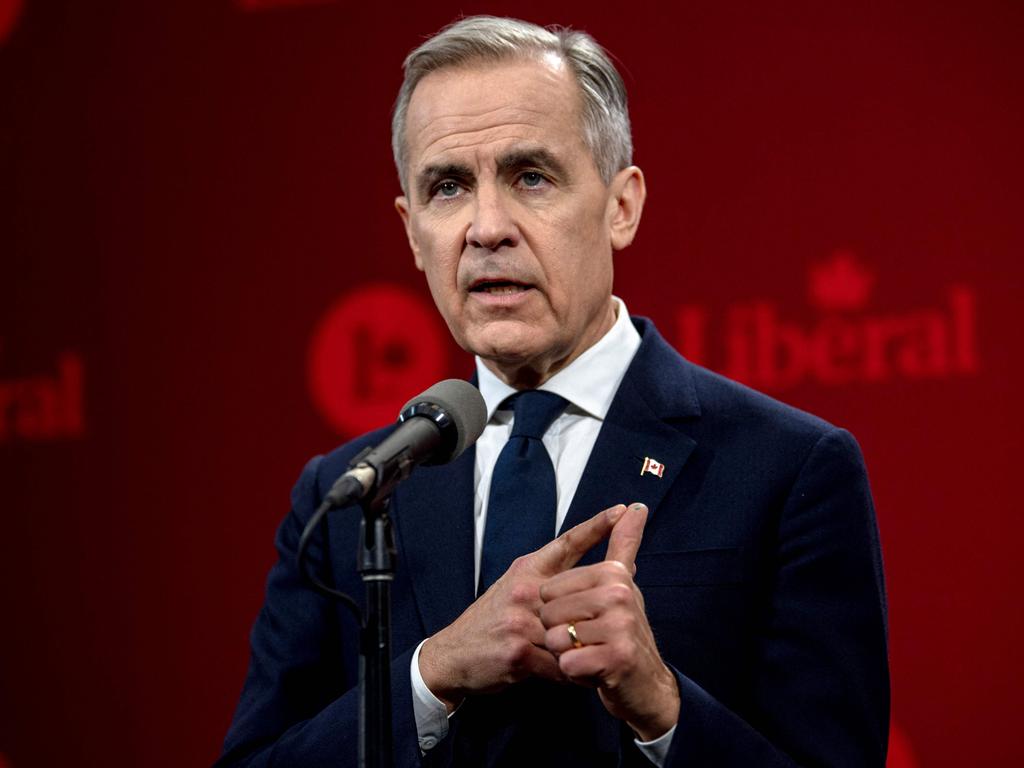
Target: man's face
[{"x": 508, "y": 216}]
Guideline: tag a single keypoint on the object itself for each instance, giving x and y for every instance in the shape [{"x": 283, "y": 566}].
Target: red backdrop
[{"x": 197, "y": 234}]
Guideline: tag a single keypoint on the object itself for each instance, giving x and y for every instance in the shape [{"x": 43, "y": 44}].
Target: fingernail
[
  {"x": 638, "y": 505},
  {"x": 616, "y": 512}
]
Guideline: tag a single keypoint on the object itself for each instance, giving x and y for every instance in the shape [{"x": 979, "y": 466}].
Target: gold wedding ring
[{"x": 571, "y": 629}]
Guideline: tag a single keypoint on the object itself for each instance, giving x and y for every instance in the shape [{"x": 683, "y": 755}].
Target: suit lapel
[
  {"x": 657, "y": 388},
  {"x": 433, "y": 512}
]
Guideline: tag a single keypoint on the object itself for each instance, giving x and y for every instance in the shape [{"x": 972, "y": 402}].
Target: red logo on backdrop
[
  {"x": 47, "y": 406},
  {"x": 847, "y": 342},
  {"x": 9, "y": 12},
  {"x": 373, "y": 350}
]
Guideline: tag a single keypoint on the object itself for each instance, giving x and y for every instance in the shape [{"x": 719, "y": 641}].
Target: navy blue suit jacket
[{"x": 760, "y": 568}]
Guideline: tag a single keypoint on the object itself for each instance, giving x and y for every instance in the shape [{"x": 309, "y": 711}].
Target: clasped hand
[{"x": 519, "y": 628}]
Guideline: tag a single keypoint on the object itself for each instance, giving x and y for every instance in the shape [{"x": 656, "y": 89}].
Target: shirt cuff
[
  {"x": 430, "y": 712},
  {"x": 657, "y": 750}
]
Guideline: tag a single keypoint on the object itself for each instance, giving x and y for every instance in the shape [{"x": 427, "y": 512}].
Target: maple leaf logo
[{"x": 840, "y": 283}]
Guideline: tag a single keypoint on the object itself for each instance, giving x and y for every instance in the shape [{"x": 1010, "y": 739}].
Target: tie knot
[{"x": 535, "y": 410}]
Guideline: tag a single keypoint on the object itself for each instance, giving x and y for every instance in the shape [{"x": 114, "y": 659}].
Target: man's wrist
[
  {"x": 430, "y": 712},
  {"x": 663, "y": 715},
  {"x": 435, "y": 678}
]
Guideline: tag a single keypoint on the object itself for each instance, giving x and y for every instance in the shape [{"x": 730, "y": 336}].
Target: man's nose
[{"x": 493, "y": 225}]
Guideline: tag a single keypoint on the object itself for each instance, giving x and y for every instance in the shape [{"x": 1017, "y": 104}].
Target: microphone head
[{"x": 458, "y": 408}]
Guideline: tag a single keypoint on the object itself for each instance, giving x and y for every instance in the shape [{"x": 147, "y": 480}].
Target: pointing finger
[
  {"x": 626, "y": 536},
  {"x": 564, "y": 552}
]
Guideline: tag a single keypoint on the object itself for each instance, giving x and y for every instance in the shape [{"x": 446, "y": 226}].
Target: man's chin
[
  {"x": 505, "y": 355},
  {"x": 523, "y": 365},
  {"x": 507, "y": 342}
]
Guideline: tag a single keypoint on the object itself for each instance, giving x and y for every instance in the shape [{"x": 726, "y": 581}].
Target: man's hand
[
  {"x": 499, "y": 639},
  {"x": 618, "y": 654}
]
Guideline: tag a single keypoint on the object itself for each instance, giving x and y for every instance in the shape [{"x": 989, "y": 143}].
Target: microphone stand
[
  {"x": 374, "y": 472},
  {"x": 376, "y": 567}
]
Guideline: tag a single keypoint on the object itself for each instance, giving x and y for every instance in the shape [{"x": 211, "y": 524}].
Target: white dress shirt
[{"x": 589, "y": 383}]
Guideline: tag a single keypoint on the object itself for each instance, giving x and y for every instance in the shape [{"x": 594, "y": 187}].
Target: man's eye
[
  {"x": 531, "y": 179},
  {"x": 447, "y": 189}
]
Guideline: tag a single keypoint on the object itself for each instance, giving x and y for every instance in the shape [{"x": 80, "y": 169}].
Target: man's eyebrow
[
  {"x": 538, "y": 158},
  {"x": 432, "y": 174}
]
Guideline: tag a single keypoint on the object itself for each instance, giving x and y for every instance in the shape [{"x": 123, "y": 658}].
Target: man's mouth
[{"x": 499, "y": 287}]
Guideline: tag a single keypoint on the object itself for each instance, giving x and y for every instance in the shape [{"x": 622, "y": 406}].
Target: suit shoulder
[
  {"x": 715, "y": 407},
  {"x": 727, "y": 405},
  {"x": 745, "y": 428}
]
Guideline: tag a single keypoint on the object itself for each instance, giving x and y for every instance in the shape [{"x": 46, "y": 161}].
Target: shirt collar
[{"x": 590, "y": 381}]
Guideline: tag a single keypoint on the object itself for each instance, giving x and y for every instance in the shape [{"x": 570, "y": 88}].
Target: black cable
[{"x": 310, "y": 576}]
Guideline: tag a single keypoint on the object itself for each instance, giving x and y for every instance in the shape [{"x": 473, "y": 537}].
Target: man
[{"x": 731, "y": 615}]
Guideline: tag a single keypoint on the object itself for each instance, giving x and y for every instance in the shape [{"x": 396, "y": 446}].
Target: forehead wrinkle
[
  {"x": 489, "y": 120},
  {"x": 454, "y": 123},
  {"x": 484, "y": 112},
  {"x": 470, "y": 139}
]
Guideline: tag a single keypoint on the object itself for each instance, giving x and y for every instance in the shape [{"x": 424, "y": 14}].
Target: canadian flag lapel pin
[{"x": 652, "y": 467}]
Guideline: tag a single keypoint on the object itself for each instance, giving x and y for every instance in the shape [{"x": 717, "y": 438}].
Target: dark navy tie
[{"x": 521, "y": 504}]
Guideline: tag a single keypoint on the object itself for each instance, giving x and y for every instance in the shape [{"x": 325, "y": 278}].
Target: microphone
[{"x": 434, "y": 427}]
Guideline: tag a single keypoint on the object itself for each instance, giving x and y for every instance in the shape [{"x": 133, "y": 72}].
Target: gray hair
[{"x": 604, "y": 114}]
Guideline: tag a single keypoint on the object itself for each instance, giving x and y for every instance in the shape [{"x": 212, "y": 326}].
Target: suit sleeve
[
  {"x": 820, "y": 694},
  {"x": 298, "y": 704}
]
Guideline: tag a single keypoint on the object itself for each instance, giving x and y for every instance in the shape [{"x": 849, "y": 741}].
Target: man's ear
[
  {"x": 402, "y": 206},
  {"x": 627, "y": 193}
]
